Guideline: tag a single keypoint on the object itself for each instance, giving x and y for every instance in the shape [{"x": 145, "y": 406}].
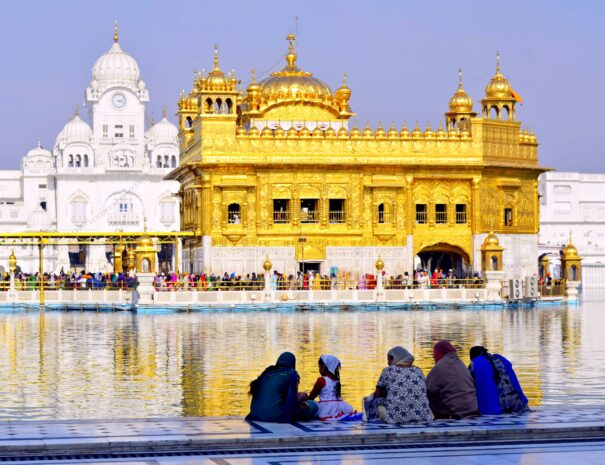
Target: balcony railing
[
  {"x": 440, "y": 217},
  {"x": 420, "y": 217},
  {"x": 337, "y": 216},
  {"x": 124, "y": 218},
  {"x": 460, "y": 217},
  {"x": 281, "y": 217},
  {"x": 234, "y": 218},
  {"x": 385, "y": 217},
  {"x": 309, "y": 216}
]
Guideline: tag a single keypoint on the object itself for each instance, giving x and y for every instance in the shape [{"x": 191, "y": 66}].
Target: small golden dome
[
  {"x": 240, "y": 131},
  {"x": 330, "y": 133},
  {"x": 279, "y": 131},
  {"x": 379, "y": 264},
  {"x": 343, "y": 133},
  {"x": 532, "y": 139},
  {"x": 393, "y": 134},
  {"x": 454, "y": 133},
  {"x": 417, "y": 133},
  {"x": 304, "y": 132},
  {"x": 465, "y": 133},
  {"x": 12, "y": 262},
  {"x": 405, "y": 132},
  {"x": 441, "y": 134},
  {"x": 491, "y": 240},
  {"x": 253, "y": 89},
  {"x": 343, "y": 93},
  {"x": 253, "y": 131},
  {"x": 292, "y": 132},
  {"x": 367, "y": 132},
  {"x": 428, "y": 133},
  {"x": 461, "y": 101},
  {"x": 145, "y": 241},
  {"x": 570, "y": 251},
  {"x": 267, "y": 264},
  {"x": 293, "y": 83},
  {"x": 266, "y": 132},
  {"x": 317, "y": 132},
  {"x": 216, "y": 79},
  {"x": 355, "y": 132},
  {"x": 380, "y": 132},
  {"x": 498, "y": 88}
]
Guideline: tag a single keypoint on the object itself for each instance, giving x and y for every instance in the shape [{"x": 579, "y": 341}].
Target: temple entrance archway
[{"x": 445, "y": 257}]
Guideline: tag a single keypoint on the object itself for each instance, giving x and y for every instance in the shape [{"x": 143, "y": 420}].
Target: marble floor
[
  {"x": 550, "y": 435},
  {"x": 541, "y": 454}
]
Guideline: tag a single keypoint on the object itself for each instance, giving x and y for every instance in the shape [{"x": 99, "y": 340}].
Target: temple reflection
[{"x": 85, "y": 365}]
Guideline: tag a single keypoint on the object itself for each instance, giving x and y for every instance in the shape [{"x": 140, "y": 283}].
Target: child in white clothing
[{"x": 327, "y": 387}]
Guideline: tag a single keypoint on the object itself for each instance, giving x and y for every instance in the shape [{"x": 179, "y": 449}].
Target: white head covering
[{"x": 331, "y": 362}]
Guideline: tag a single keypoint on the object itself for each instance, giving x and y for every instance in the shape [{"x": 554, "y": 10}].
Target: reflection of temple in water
[{"x": 85, "y": 365}]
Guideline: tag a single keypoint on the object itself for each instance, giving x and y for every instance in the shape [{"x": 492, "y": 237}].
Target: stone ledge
[{"x": 156, "y": 435}]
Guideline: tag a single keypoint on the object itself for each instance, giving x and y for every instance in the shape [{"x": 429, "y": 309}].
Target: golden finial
[
  {"x": 497, "y": 62},
  {"x": 164, "y": 111},
  {"x": 459, "y": 78},
  {"x": 344, "y": 79},
  {"x": 291, "y": 38},
  {"x": 78, "y": 110},
  {"x": 216, "y": 68},
  {"x": 115, "y": 31}
]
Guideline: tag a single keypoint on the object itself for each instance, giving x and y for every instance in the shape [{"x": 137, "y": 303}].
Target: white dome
[
  {"x": 163, "y": 131},
  {"x": 39, "y": 220},
  {"x": 116, "y": 66},
  {"x": 76, "y": 130},
  {"x": 38, "y": 151}
]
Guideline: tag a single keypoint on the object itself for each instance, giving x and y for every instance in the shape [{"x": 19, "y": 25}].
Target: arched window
[
  {"x": 493, "y": 112},
  {"x": 145, "y": 265},
  {"x": 78, "y": 161},
  {"x": 233, "y": 213},
  {"x": 505, "y": 112},
  {"x": 173, "y": 161},
  {"x": 70, "y": 162},
  {"x": 189, "y": 121},
  {"x": 86, "y": 161},
  {"x": 166, "y": 161},
  {"x": 158, "y": 163},
  {"x": 228, "y": 106},
  {"x": 218, "y": 106},
  {"x": 494, "y": 263},
  {"x": 209, "y": 105}
]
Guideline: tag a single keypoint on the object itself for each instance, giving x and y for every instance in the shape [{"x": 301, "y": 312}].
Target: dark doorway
[{"x": 309, "y": 266}]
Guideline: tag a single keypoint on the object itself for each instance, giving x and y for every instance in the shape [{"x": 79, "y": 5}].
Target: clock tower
[{"x": 116, "y": 100}]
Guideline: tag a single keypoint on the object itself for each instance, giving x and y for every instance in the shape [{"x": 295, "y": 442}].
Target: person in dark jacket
[
  {"x": 498, "y": 389},
  {"x": 275, "y": 395},
  {"x": 450, "y": 387}
]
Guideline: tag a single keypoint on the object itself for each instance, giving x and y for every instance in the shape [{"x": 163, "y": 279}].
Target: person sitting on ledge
[
  {"x": 275, "y": 396},
  {"x": 498, "y": 390},
  {"x": 328, "y": 388},
  {"x": 400, "y": 395},
  {"x": 450, "y": 387}
]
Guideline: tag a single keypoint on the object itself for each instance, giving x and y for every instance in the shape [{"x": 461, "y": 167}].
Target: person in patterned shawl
[{"x": 400, "y": 396}]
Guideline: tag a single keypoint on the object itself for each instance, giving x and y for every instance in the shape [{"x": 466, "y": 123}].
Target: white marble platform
[{"x": 227, "y": 441}]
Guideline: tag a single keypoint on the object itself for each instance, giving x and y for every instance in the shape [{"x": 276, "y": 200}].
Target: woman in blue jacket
[{"x": 498, "y": 389}]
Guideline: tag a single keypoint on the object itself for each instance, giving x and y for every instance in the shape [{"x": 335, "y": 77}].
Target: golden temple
[{"x": 276, "y": 170}]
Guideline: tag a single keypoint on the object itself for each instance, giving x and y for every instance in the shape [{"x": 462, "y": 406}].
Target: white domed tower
[
  {"x": 162, "y": 145},
  {"x": 116, "y": 99}
]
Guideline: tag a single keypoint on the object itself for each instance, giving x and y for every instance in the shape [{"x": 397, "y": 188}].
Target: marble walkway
[{"x": 547, "y": 436}]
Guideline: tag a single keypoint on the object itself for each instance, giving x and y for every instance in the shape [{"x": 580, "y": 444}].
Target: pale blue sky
[{"x": 401, "y": 58}]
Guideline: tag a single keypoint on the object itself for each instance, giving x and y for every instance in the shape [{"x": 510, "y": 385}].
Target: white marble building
[
  {"x": 574, "y": 203},
  {"x": 104, "y": 176}
]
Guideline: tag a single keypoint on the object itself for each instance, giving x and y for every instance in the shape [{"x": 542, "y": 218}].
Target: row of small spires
[{"x": 355, "y": 133}]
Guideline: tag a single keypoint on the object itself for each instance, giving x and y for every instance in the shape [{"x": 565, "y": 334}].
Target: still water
[{"x": 103, "y": 365}]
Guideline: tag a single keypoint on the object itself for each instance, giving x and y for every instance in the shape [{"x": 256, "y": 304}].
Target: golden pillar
[
  {"x": 145, "y": 255},
  {"x": 571, "y": 266}
]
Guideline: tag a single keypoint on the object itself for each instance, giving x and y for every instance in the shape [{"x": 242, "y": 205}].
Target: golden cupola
[
  {"x": 460, "y": 106},
  {"x": 216, "y": 79},
  {"x": 500, "y": 98},
  {"x": 292, "y": 94}
]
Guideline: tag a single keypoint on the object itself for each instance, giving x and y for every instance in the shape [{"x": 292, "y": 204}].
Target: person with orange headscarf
[{"x": 450, "y": 387}]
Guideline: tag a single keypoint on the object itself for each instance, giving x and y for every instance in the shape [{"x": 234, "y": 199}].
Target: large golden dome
[
  {"x": 461, "y": 102},
  {"x": 498, "y": 88},
  {"x": 293, "y": 83}
]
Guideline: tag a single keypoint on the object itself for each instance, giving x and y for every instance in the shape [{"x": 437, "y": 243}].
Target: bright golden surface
[{"x": 94, "y": 365}]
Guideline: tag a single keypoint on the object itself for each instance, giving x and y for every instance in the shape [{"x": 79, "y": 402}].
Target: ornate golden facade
[{"x": 278, "y": 167}]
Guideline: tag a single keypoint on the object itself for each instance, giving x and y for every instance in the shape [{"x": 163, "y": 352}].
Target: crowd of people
[
  {"x": 451, "y": 390},
  {"x": 62, "y": 280},
  {"x": 309, "y": 280}
]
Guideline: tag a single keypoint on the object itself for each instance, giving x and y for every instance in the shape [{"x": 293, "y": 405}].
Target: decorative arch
[{"x": 309, "y": 192}]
